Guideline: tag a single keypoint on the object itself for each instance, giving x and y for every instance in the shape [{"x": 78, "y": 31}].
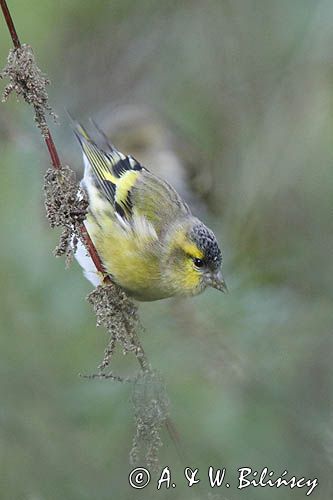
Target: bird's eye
[{"x": 198, "y": 262}]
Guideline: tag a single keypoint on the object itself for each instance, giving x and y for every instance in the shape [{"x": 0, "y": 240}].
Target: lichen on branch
[
  {"x": 66, "y": 206},
  {"x": 119, "y": 315},
  {"x": 28, "y": 82}
]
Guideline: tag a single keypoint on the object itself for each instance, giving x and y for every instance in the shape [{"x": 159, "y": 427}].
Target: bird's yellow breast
[{"x": 133, "y": 267}]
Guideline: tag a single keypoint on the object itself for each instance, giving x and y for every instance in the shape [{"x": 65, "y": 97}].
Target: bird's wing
[
  {"x": 140, "y": 199},
  {"x": 114, "y": 173}
]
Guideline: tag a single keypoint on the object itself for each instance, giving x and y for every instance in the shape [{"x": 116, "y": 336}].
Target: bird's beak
[{"x": 217, "y": 281}]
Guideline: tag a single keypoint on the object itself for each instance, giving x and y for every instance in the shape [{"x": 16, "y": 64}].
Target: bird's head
[{"x": 194, "y": 259}]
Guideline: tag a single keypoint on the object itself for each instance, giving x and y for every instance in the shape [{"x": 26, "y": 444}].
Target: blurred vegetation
[{"x": 243, "y": 94}]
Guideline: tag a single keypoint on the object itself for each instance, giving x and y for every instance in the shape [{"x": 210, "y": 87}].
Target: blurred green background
[{"x": 234, "y": 100}]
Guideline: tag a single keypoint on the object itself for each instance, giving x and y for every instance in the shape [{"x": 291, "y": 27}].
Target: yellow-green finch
[{"x": 145, "y": 234}]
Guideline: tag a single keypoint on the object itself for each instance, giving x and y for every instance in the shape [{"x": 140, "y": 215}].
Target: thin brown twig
[
  {"x": 52, "y": 150},
  {"x": 93, "y": 252},
  {"x": 10, "y": 24}
]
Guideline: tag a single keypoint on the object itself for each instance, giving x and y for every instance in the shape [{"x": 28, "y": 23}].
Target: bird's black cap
[{"x": 206, "y": 241}]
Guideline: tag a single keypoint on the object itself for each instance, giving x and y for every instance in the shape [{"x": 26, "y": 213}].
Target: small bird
[{"x": 145, "y": 234}]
